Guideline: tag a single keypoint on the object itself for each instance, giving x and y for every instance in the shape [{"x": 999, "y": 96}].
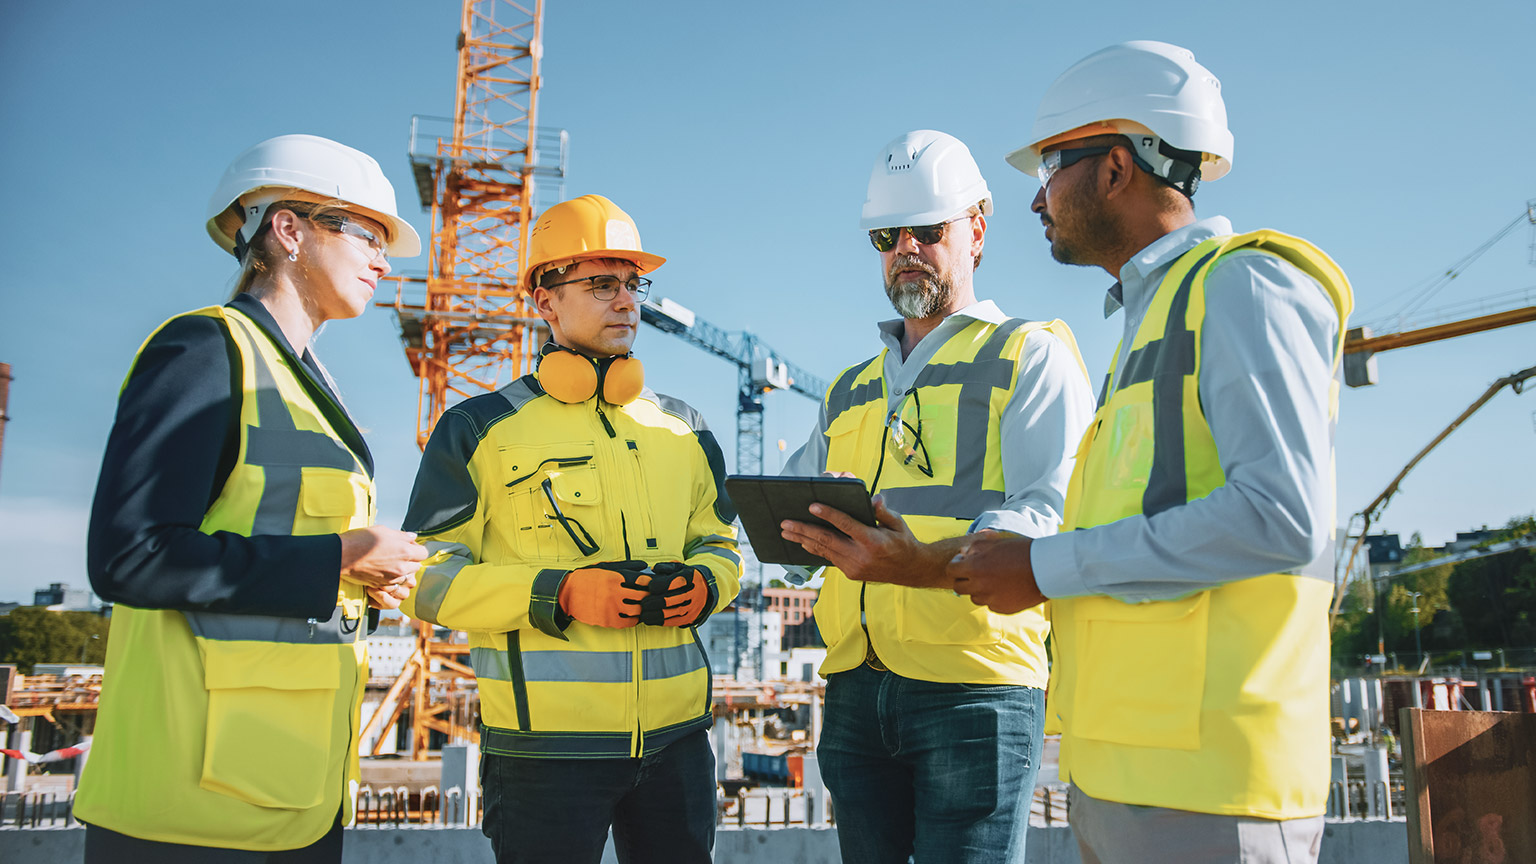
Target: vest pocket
[
  {"x": 938, "y": 617},
  {"x": 328, "y": 501},
  {"x": 829, "y": 610},
  {"x": 270, "y": 712},
  {"x": 1141, "y": 671}
]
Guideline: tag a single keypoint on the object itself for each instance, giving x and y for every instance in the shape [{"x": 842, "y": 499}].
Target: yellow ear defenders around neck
[{"x": 572, "y": 377}]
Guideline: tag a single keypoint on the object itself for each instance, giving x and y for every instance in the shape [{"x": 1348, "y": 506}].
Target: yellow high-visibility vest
[
  {"x": 239, "y": 731},
  {"x": 1216, "y": 702},
  {"x": 929, "y": 633}
]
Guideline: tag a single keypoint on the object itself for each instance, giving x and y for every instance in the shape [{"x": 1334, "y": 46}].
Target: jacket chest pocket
[
  {"x": 272, "y": 710},
  {"x": 554, "y": 509}
]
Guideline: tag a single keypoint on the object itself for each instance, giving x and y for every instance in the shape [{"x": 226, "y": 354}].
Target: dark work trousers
[
  {"x": 109, "y": 847},
  {"x": 558, "y": 811}
]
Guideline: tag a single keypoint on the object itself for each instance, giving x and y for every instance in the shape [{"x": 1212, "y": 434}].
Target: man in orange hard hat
[{"x": 579, "y": 533}]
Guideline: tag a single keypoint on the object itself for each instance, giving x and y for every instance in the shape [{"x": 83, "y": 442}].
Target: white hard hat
[
  {"x": 271, "y": 170},
  {"x": 923, "y": 178},
  {"x": 1136, "y": 89}
]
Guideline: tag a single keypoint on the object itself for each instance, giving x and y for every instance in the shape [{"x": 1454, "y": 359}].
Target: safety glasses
[
  {"x": 606, "y": 288},
  {"x": 885, "y": 239},
  {"x": 374, "y": 241},
  {"x": 906, "y": 438},
  {"x": 1056, "y": 160},
  {"x": 585, "y": 544}
]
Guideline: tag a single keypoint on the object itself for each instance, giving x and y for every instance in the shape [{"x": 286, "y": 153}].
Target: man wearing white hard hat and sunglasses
[
  {"x": 965, "y": 422},
  {"x": 1191, "y": 582}
]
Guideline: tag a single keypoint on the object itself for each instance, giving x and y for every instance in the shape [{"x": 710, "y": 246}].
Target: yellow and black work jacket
[
  {"x": 509, "y": 483},
  {"x": 221, "y": 724},
  {"x": 957, "y": 408},
  {"x": 1216, "y": 701}
]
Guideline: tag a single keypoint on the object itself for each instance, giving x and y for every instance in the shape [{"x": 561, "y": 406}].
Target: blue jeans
[
  {"x": 931, "y": 772},
  {"x": 558, "y": 811}
]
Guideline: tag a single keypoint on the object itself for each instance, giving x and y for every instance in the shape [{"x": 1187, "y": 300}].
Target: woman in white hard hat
[{"x": 233, "y": 527}]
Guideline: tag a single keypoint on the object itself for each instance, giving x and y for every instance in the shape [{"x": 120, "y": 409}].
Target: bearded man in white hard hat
[
  {"x": 966, "y": 421},
  {"x": 1190, "y": 584}
]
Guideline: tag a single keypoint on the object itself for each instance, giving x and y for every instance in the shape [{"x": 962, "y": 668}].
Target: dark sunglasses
[{"x": 885, "y": 239}]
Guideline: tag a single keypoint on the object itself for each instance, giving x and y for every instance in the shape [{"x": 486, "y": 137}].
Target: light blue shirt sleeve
[
  {"x": 809, "y": 461},
  {"x": 1042, "y": 424},
  {"x": 1267, "y": 369}
]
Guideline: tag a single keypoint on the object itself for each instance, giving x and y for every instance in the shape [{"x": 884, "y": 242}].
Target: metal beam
[{"x": 1388, "y": 341}]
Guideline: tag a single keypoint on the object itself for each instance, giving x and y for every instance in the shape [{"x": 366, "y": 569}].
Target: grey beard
[{"x": 924, "y": 299}]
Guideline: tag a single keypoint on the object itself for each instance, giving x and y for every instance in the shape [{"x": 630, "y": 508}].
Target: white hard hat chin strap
[{"x": 254, "y": 208}]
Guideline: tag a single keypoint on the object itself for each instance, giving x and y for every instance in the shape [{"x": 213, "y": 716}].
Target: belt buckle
[{"x": 872, "y": 660}]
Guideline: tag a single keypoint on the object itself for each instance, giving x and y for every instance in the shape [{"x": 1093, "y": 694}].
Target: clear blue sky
[{"x": 1396, "y": 136}]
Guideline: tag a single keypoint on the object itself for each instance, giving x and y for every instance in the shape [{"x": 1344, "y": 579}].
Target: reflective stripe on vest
[
  {"x": 337, "y": 630},
  {"x": 284, "y": 450},
  {"x": 966, "y": 496}
]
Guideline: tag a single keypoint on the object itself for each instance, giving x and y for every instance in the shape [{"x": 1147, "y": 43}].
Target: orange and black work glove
[
  {"x": 610, "y": 594},
  {"x": 680, "y": 596}
]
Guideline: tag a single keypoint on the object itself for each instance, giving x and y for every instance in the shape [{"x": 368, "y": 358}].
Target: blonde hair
[{"x": 260, "y": 252}]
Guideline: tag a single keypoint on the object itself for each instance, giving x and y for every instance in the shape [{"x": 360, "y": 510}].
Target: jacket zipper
[
  {"x": 639, "y": 673},
  {"x": 644, "y": 496}
]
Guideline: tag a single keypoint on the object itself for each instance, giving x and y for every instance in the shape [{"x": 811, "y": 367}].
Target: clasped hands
[
  {"x": 621, "y": 594},
  {"x": 382, "y": 560},
  {"x": 991, "y": 567}
]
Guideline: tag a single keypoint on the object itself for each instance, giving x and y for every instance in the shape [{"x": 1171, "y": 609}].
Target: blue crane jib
[
  {"x": 758, "y": 370},
  {"x": 749, "y": 353}
]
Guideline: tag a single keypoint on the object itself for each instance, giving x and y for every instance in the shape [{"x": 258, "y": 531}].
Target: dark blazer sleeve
[{"x": 173, "y": 443}]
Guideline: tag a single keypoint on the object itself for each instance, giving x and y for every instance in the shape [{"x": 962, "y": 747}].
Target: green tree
[
  {"x": 32, "y": 635},
  {"x": 1495, "y": 597},
  {"x": 1431, "y": 586},
  {"x": 1354, "y": 630}
]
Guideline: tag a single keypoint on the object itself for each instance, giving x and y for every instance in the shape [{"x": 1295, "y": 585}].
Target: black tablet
[{"x": 764, "y": 502}]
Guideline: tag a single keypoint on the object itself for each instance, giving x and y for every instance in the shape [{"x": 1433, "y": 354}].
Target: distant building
[
  {"x": 1384, "y": 548},
  {"x": 733, "y": 638},
  {"x": 792, "y": 604},
  {"x": 1468, "y": 539},
  {"x": 388, "y": 652},
  {"x": 67, "y": 670},
  {"x": 59, "y": 597},
  {"x": 802, "y": 635}
]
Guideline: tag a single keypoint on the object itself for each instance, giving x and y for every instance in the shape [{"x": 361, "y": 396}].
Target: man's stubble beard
[
  {"x": 922, "y": 298},
  {"x": 1091, "y": 232}
]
